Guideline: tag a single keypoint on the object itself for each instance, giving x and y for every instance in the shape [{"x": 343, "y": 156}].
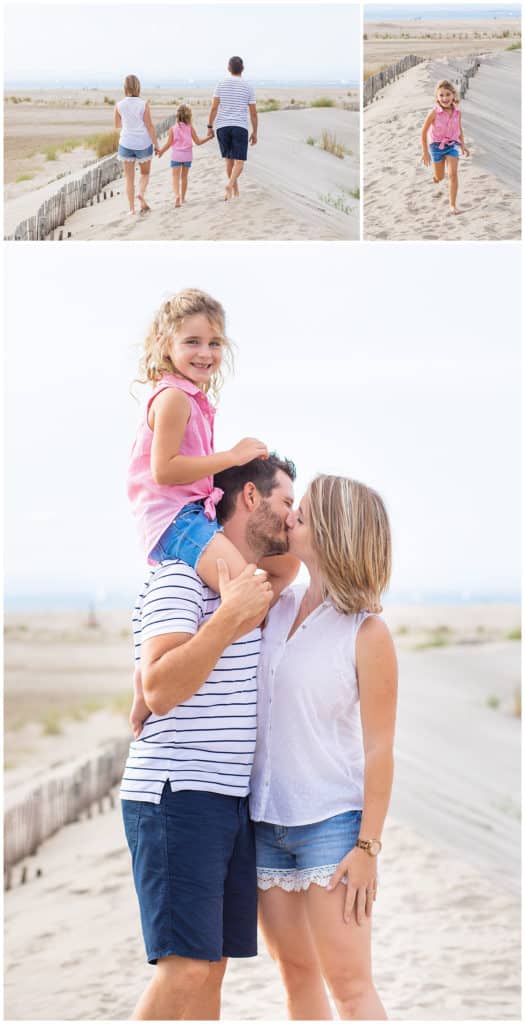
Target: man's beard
[{"x": 264, "y": 532}]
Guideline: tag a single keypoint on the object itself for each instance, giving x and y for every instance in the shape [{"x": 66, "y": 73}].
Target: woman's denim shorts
[
  {"x": 180, "y": 163},
  {"x": 437, "y": 154},
  {"x": 294, "y": 856},
  {"x": 136, "y": 154},
  {"x": 187, "y": 537}
]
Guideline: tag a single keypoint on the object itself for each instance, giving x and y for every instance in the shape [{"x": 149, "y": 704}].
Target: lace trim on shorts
[
  {"x": 134, "y": 159},
  {"x": 295, "y": 881}
]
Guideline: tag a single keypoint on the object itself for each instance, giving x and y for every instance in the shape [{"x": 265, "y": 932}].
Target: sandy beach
[
  {"x": 455, "y": 814},
  {"x": 291, "y": 188},
  {"x": 401, "y": 201},
  {"x": 389, "y": 41}
]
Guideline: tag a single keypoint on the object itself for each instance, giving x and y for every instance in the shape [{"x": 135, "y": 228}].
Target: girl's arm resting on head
[
  {"x": 167, "y": 144},
  {"x": 282, "y": 570},
  {"x": 175, "y": 666},
  {"x": 168, "y": 417},
  {"x": 150, "y": 126},
  {"x": 377, "y": 679}
]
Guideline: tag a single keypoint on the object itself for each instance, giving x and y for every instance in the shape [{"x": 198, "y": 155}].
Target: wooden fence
[
  {"x": 393, "y": 71},
  {"x": 376, "y": 82},
  {"x": 75, "y": 195},
  {"x": 58, "y": 800}
]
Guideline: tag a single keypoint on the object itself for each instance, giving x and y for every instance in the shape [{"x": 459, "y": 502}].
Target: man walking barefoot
[
  {"x": 186, "y": 781},
  {"x": 232, "y": 101}
]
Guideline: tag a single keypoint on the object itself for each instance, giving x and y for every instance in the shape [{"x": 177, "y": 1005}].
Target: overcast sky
[
  {"x": 174, "y": 42},
  {"x": 397, "y": 365}
]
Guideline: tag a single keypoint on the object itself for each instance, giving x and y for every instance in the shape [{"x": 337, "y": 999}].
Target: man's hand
[
  {"x": 248, "y": 596},
  {"x": 253, "y": 139}
]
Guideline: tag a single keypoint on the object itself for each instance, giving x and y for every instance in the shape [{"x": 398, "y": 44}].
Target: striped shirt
[
  {"x": 208, "y": 741},
  {"x": 234, "y": 95}
]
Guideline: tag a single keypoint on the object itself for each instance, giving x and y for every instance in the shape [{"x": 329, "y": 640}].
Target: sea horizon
[{"x": 196, "y": 83}]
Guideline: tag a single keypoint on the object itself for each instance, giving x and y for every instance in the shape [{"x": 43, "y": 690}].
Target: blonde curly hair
[
  {"x": 156, "y": 360},
  {"x": 351, "y": 539}
]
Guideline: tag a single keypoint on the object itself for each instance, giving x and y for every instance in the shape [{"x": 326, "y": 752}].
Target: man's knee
[{"x": 183, "y": 973}]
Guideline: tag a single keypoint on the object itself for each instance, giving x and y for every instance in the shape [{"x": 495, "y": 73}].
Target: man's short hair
[
  {"x": 261, "y": 472},
  {"x": 236, "y": 65}
]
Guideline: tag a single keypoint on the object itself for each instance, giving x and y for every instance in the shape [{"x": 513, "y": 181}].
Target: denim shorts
[
  {"x": 180, "y": 163},
  {"x": 187, "y": 537},
  {"x": 437, "y": 154},
  {"x": 233, "y": 142},
  {"x": 294, "y": 856},
  {"x": 135, "y": 154},
  {"x": 193, "y": 859}
]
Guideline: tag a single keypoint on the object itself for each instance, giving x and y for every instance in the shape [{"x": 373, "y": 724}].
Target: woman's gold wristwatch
[{"x": 372, "y": 846}]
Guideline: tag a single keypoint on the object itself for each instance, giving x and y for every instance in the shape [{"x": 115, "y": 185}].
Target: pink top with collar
[
  {"x": 446, "y": 127},
  {"x": 155, "y": 506}
]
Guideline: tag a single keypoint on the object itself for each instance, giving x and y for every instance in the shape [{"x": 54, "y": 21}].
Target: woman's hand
[
  {"x": 361, "y": 873},
  {"x": 425, "y": 159}
]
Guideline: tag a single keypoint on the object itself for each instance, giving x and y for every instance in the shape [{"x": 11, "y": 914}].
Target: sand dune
[
  {"x": 401, "y": 202},
  {"x": 389, "y": 41}
]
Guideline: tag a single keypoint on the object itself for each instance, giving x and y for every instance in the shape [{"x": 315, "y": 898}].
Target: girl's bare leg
[
  {"x": 288, "y": 937},
  {"x": 219, "y": 547},
  {"x": 184, "y": 182},
  {"x": 129, "y": 176},
  {"x": 176, "y": 184},
  {"x": 439, "y": 171},
  {"x": 344, "y": 952},
  {"x": 452, "y": 168},
  {"x": 143, "y": 184}
]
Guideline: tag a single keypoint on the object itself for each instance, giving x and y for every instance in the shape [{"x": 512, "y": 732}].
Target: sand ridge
[{"x": 401, "y": 201}]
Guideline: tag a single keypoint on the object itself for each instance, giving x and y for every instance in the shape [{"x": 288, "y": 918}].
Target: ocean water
[
  {"x": 412, "y": 12},
  {"x": 174, "y": 85}
]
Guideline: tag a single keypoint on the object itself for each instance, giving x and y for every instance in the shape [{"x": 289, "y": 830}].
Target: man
[
  {"x": 185, "y": 785},
  {"x": 232, "y": 100}
]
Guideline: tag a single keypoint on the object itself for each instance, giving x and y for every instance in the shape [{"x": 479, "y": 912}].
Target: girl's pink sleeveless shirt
[
  {"x": 182, "y": 146},
  {"x": 445, "y": 127},
  {"x": 156, "y": 505}
]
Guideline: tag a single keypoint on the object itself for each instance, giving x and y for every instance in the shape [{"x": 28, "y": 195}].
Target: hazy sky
[
  {"x": 160, "y": 42},
  {"x": 398, "y": 365}
]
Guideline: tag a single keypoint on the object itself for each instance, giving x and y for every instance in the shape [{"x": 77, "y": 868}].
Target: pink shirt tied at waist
[
  {"x": 445, "y": 127},
  {"x": 154, "y": 505},
  {"x": 181, "y": 146}
]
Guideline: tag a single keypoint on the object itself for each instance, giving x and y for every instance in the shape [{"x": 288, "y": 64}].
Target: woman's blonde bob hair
[
  {"x": 156, "y": 360},
  {"x": 131, "y": 85},
  {"x": 445, "y": 84},
  {"x": 351, "y": 539}
]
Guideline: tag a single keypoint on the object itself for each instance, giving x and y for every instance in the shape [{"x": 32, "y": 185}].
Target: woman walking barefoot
[
  {"x": 137, "y": 140},
  {"x": 444, "y": 130},
  {"x": 323, "y": 762}
]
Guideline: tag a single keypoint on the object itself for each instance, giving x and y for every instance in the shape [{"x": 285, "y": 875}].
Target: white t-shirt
[
  {"x": 133, "y": 134},
  {"x": 309, "y": 759},
  {"x": 234, "y": 94}
]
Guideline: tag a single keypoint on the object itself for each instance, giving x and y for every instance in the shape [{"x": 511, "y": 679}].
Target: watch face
[{"x": 375, "y": 847}]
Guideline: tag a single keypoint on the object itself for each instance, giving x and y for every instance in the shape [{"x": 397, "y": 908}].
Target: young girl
[
  {"x": 442, "y": 138},
  {"x": 180, "y": 139},
  {"x": 170, "y": 482}
]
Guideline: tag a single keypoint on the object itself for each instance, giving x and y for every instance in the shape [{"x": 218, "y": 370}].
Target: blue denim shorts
[
  {"x": 294, "y": 856},
  {"x": 180, "y": 163},
  {"x": 187, "y": 537},
  {"x": 437, "y": 154},
  {"x": 193, "y": 859},
  {"x": 136, "y": 154}
]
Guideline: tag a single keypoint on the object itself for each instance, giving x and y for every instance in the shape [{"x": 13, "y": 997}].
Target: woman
[
  {"x": 137, "y": 140},
  {"x": 323, "y": 764}
]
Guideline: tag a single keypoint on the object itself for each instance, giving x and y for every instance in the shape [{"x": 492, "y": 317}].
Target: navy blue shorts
[
  {"x": 193, "y": 861},
  {"x": 233, "y": 142},
  {"x": 188, "y": 536}
]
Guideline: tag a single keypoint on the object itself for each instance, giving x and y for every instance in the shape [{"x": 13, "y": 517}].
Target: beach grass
[
  {"x": 330, "y": 145},
  {"x": 266, "y": 105},
  {"x": 370, "y": 72},
  {"x": 336, "y": 202},
  {"x": 51, "y": 153},
  {"x": 440, "y": 636},
  {"x": 70, "y": 144},
  {"x": 514, "y": 634},
  {"x": 51, "y": 724},
  {"x": 24, "y": 177},
  {"x": 516, "y": 707},
  {"x": 104, "y": 143},
  {"x": 323, "y": 101},
  {"x": 514, "y": 46},
  {"x": 493, "y": 702},
  {"x": 311, "y": 141}
]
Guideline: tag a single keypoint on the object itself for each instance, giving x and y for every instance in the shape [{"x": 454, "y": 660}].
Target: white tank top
[
  {"x": 133, "y": 134},
  {"x": 309, "y": 759}
]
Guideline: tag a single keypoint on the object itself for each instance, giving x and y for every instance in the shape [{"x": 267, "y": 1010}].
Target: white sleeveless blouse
[
  {"x": 309, "y": 759},
  {"x": 133, "y": 133}
]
